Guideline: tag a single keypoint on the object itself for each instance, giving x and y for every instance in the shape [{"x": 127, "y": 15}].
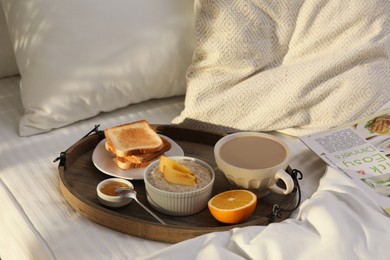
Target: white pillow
[
  {"x": 293, "y": 66},
  {"x": 79, "y": 58},
  {"x": 7, "y": 57}
]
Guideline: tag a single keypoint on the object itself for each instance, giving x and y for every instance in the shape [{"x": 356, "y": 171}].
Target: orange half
[{"x": 233, "y": 206}]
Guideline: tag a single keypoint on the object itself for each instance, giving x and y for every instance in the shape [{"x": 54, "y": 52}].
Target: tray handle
[{"x": 64, "y": 156}]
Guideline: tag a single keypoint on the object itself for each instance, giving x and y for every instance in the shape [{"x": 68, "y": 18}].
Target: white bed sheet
[
  {"x": 35, "y": 220},
  {"x": 339, "y": 222}
]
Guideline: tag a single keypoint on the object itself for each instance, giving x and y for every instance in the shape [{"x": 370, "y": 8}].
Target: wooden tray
[{"x": 79, "y": 178}]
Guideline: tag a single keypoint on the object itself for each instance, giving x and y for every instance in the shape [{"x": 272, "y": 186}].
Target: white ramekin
[
  {"x": 113, "y": 201},
  {"x": 178, "y": 203}
]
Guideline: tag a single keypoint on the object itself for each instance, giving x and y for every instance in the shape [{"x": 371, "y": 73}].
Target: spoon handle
[{"x": 150, "y": 212}]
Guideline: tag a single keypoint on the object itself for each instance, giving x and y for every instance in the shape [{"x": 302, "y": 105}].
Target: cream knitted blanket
[{"x": 297, "y": 67}]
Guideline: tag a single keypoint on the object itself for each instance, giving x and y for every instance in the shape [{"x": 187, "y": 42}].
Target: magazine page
[{"x": 361, "y": 150}]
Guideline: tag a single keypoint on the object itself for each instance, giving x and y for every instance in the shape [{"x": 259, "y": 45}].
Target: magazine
[{"x": 361, "y": 150}]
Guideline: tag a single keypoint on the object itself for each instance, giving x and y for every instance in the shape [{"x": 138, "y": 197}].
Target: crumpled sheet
[{"x": 339, "y": 221}]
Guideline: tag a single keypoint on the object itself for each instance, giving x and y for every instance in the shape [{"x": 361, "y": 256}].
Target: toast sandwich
[
  {"x": 135, "y": 145},
  {"x": 133, "y": 139}
]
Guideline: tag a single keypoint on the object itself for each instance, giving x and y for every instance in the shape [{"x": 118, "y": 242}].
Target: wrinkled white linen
[
  {"x": 338, "y": 222},
  {"x": 35, "y": 220}
]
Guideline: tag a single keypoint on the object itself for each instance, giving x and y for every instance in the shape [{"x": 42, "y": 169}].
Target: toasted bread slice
[
  {"x": 125, "y": 165},
  {"x": 141, "y": 158},
  {"x": 149, "y": 156},
  {"x": 133, "y": 139}
]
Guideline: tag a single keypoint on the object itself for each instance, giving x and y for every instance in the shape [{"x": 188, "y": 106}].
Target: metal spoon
[{"x": 131, "y": 193}]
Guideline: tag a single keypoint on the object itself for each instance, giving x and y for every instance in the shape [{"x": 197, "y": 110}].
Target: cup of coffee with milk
[{"x": 253, "y": 160}]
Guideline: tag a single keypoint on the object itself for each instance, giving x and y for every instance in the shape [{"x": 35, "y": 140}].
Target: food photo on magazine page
[{"x": 361, "y": 150}]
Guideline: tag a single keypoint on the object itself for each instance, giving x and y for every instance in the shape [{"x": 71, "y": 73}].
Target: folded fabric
[
  {"x": 338, "y": 222},
  {"x": 294, "y": 66}
]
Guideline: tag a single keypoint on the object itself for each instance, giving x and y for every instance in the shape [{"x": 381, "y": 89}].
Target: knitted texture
[{"x": 296, "y": 67}]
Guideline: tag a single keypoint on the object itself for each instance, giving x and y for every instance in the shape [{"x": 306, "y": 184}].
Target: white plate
[{"x": 104, "y": 161}]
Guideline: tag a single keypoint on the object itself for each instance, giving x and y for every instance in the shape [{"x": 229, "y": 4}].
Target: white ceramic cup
[{"x": 253, "y": 160}]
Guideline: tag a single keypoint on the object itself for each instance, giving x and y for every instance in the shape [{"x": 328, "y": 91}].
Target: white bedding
[
  {"x": 347, "y": 41},
  {"x": 338, "y": 222},
  {"x": 37, "y": 223}
]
